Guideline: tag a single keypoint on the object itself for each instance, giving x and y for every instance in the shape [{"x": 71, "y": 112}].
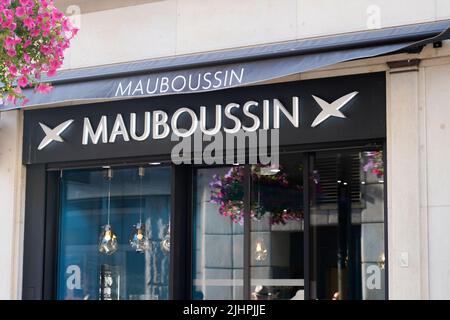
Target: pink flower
[
  {"x": 26, "y": 44},
  {"x": 55, "y": 64},
  {"x": 25, "y": 70},
  {"x": 11, "y": 52},
  {"x": 25, "y": 101},
  {"x": 12, "y": 70},
  {"x": 20, "y": 12},
  {"x": 23, "y": 81},
  {"x": 44, "y": 88},
  {"x": 11, "y": 98},
  {"x": 45, "y": 49},
  {"x": 10, "y": 42},
  {"x": 8, "y": 14},
  {"x": 17, "y": 90},
  {"x": 45, "y": 27},
  {"x": 35, "y": 32},
  {"x": 67, "y": 25},
  {"x": 57, "y": 15},
  {"x": 29, "y": 23},
  {"x": 30, "y": 10},
  {"x": 51, "y": 72},
  {"x": 26, "y": 57},
  {"x": 26, "y": 3},
  {"x": 45, "y": 34},
  {"x": 44, "y": 3}
]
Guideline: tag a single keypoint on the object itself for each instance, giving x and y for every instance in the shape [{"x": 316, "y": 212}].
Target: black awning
[{"x": 231, "y": 68}]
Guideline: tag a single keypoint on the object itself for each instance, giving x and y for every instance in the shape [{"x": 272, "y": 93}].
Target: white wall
[
  {"x": 11, "y": 204},
  {"x": 403, "y": 175},
  {"x": 436, "y": 117},
  {"x": 112, "y": 31},
  {"x": 419, "y": 179}
]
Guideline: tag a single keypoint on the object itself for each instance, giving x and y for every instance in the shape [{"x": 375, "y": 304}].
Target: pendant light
[
  {"x": 139, "y": 239},
  {"x": 108, "y": 239},
  {"x": 260, "y": 250},
  {"x": 165, "y": 243}
]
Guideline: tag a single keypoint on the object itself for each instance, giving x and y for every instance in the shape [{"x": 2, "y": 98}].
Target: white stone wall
[
  {"x": 435, "y": 154},
  {"x": 404, "y": 188},
  {"x": 418, "y": 189},
  {"x": 12, "y": 176},
  {"x": 114, "y": 31}
]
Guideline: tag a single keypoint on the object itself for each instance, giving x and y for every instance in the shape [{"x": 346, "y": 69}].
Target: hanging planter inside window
[
  {"x": 227, "y": 191},
  {"x": 373, "y": 163}
]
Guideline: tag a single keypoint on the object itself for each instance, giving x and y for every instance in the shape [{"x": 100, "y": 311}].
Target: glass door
[
  {"x": 277, "y": 230},
  {"x": 218, "y": 234},
  {"x": 346, "y": 205},
  {"x": 276, "y": 234}
]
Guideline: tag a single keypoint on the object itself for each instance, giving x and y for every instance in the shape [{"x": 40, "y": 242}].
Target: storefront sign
[
  {"x": 201, "y": 80},
  {"x": 335, "y": 109}
]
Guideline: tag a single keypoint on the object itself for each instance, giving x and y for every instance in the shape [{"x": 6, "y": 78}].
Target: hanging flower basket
[
  {"x": 374, "y": 163},
  {"x": 33, "y": 37},
  {"x": 227, "y": 191}
]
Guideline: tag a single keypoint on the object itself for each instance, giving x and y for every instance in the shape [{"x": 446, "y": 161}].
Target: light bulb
[
  {"x": 381, "y": 261},
  {"x": 165, "y": 242},
  {"x": 139, "y": 240},
  {"x": 260, "y": 250},
  {"x": 108, "y": 241}
]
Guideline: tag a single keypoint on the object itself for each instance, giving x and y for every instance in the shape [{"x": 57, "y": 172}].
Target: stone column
[
  {"x": 12, "y": 191},
  {"x": 407, "y": 229}
]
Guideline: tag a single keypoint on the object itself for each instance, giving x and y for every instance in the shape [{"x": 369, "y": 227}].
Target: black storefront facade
[
  {"x": 309, "y": 227},
  {"x": 137, "y": 186}
]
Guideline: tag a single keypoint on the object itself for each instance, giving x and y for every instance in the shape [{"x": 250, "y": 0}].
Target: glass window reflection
[
  {"x": 97, "y": 207},
  {"x": 276, "y": 257},
  {"x": 347, "y": 225},
  {"x": 218, "y": 241}
]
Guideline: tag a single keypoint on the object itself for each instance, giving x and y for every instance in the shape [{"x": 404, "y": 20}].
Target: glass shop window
[
  {"x": 344, "y": 254},
  {"x": 218, "y": 234},
  {"x": 114, "y": 234},
  {"x": 347, "y": 258},
  {"x": 277, "y": 230}
]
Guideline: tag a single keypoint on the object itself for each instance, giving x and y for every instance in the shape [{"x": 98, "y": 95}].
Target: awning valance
[{"x": 230, "y": 68}]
